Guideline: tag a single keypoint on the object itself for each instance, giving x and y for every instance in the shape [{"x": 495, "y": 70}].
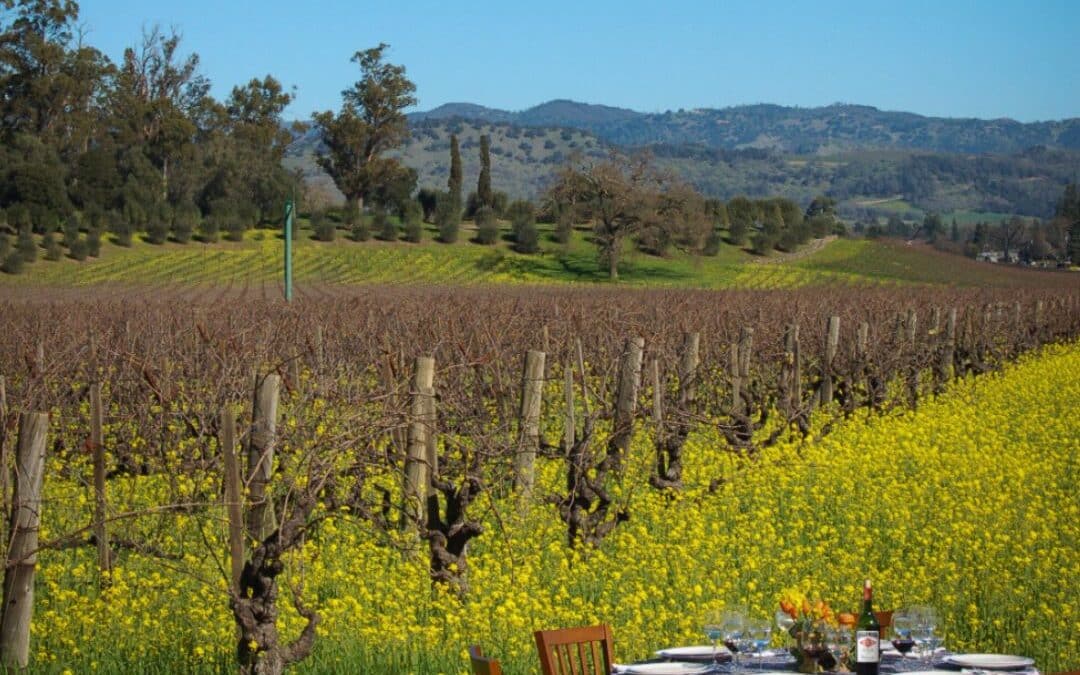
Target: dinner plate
[
  {"x": 673, "y": 668},
  {"x": 990, "y": 661},
  {"x": 697, "y": 652}
]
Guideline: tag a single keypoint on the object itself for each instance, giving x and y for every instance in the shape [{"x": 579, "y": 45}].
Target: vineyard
[
  {"x": 370, "y": 479},
  {"x": 257, "y": 263}
]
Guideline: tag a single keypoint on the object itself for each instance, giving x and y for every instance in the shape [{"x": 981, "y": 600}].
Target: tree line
[{"x": 93, "y": 148}]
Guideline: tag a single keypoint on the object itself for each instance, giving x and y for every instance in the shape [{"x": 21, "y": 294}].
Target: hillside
[
  {"x": 824, "y": 130},
  {"x": 866, "y": 183},
  {"x": 256, "y": 263}
]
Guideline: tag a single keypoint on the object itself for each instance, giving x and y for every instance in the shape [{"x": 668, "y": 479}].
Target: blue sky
[{"x": 953, "y": 58}]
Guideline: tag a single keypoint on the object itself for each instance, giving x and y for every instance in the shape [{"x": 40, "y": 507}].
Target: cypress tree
[
  {"x": 454, "y": 183},
  {"x": 483, "y": 184}
]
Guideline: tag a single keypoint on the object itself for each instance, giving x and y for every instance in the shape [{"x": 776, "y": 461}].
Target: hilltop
[{"x": 822, "y": 130}]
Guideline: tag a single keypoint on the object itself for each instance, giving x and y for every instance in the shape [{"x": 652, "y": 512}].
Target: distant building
[{"x": 998, "y": 256}]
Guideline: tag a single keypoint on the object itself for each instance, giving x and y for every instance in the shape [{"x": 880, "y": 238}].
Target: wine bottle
[{"x": 867, "y": 636}]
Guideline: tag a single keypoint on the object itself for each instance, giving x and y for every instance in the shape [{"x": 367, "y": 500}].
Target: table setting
[{"x": 814, "y": 639}]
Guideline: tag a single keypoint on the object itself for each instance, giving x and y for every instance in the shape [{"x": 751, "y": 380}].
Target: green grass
[{"x": 258, "y": 260}]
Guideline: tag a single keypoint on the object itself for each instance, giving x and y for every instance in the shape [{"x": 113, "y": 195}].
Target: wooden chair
[
  {"x": 576, "y": 651},
  {"x": 482, "y": 665}
]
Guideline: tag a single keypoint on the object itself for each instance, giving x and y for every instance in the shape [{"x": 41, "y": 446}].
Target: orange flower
[
  {"x": 846, "y": 619},
  {"x": 789, "y": 609}
]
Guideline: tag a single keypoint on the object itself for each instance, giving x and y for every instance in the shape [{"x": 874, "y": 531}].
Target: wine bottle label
[{"x": 869, "y": 646}]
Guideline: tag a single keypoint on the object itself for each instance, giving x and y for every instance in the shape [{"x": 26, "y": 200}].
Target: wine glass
[
  {"x": 759, "y": 633},
  {"x": 838, "y": 640},
  {"x": 923, "y": 627},
  {"x": 714, "y": 630},
  {"x": 930, "y": 634},
  {"x": 902, "y": 622},
  {"x": 733, "y": 627}
]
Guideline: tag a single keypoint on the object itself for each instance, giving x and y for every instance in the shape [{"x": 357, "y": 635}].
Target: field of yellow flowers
[{"x": 969, "y": 503}]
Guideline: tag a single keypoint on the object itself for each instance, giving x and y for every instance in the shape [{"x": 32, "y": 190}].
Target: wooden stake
[
  {"x": 22, "y": 555},
  {"x": 260, "y": 515},
  {"x": 234, "y": 496},
  {"x": 97, "y": 447},
  {"x": 532, "y": 392},
  {"x": 417, "y": 467}
]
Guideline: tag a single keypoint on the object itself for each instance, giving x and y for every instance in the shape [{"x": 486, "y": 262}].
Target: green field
[{"x": 258, "y": 261}]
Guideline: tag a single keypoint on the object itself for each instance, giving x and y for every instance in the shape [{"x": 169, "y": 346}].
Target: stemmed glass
[
  {"x": 838, "y": 641},
  {"x": 759, "y": 633},
  {"x": 924, "y": 632},
  {"x": 714, "y": 630},
  {"x": 733, "y": 627},
  {"x": 902, "y": 623}
]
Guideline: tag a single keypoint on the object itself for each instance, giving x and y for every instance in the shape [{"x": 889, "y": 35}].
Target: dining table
[{"x": 695, "y": 660}]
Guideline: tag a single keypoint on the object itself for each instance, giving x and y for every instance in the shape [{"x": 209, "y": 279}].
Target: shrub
[
  {"x": 13, "y": 263},
  {"x": 762, "y": 242},
  {"x": 185, "y": 221},
  {"x": 387, "y": 228},
  {"x": 712, "y": 244},
  {"x": 209, "y": 229},
  {"x": 51, "y": 246},
  {"x": 487, "y": 228},
  {"x": 157, "y": 232},
  {"x": 564, "y": 227},
  {"x": 71, "y": 229},
  {"x": 78, "y": 249},
  {"x": 26, "y": 246},
  {"x": 323, "y": 228},
  {"x": 447, "y": 218},
  {"x": 93, "y": 242},
  {"x": 5, "y": 245},
  {"x": 234, "y": 229},
  {"x": 361, "y": 231},
  {"x": 414, "y": 229},
  {"x": 527, "y": 239},
  {"x": 518, "y": 213}
]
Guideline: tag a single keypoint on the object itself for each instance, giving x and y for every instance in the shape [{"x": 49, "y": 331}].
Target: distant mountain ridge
[{"x": 822, "y": 130}]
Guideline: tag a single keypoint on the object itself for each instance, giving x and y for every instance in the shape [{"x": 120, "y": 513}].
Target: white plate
[
  {"x": 990, "y": 661},
  {"x": 695, "y": 652},
  {"x": 667, "y": 669}
]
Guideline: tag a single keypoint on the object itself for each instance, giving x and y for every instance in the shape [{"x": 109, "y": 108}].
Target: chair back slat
[
  {"x": 575, "y": 651},
  {"x": 483, "y": 665}
]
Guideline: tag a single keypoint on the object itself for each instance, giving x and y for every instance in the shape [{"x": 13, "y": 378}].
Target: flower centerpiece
[{"x": 810, "y": 623}]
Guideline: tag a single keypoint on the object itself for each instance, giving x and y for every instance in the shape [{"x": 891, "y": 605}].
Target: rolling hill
[{"x": 874, "y": 163}]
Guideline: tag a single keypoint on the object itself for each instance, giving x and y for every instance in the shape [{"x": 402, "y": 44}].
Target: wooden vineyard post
[
  {"x": 97, "y": 448},
  {"x": 657, "y": 397},
  {"x": 22, "y": 555},
  {"x": 733, "y": 374},
  {"x": 791, "y": 373},
  {"x": 260, "y": 457},
  {"x": 5, "y": 475},
  {"x": 832, "y": 344},
  {"x": 532, "y": 392},
  {"x": 234, "y": 496},
  {"x": 320, "y": 353},
  {"x": 913, "y": 354},
  {"x": 1037, "y": 328},
  {"x": 626, "y": 400},
  {"x": 689, "y": 362},
  {"x": 421, "y": 422},
  {"x": 570, "y": 430},
  {"x": 946, "y": 368}
]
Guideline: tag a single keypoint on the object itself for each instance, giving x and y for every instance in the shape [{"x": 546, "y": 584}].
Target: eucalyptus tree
[{"x": 370, "y": 123}]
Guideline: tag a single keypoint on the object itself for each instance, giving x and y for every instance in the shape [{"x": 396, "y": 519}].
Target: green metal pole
[{"x": 288, "y": 249}]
